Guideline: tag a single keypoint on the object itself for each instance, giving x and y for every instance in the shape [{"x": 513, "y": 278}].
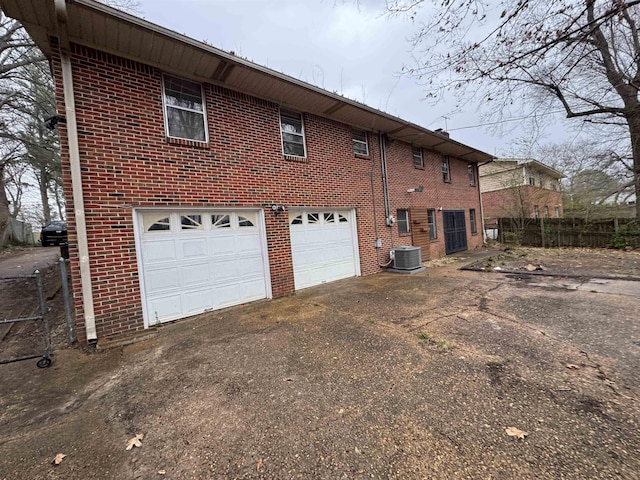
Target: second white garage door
[
  {"x": 194, "y": 261},
  {"x": 323, "y": 246}
]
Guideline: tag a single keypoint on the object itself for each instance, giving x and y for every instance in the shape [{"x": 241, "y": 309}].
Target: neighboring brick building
[
  {"x": 197, "y": 180},
  {"x": 519, "y": 188}
]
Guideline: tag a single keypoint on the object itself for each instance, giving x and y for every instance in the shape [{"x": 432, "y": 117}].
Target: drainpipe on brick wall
[
  {"x": 76, "y": 174},
  {"x": 385, "y": 182}
]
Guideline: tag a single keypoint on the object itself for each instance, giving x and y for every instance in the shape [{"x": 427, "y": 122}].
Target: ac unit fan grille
[{"x": 408, "y": 258}]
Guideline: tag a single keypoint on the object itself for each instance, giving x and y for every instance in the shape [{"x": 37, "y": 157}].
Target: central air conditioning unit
[{"x": 407, "y": 258}]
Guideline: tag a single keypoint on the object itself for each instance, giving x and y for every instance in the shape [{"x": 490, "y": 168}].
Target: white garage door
[
  {"x": 194, "y": 261},
  {"x": 323, "y": 245}
]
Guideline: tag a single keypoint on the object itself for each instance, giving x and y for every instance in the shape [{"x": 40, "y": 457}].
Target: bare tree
[
  {"x": 16, "y": 51},
  {"x": 580, "y": 55}
]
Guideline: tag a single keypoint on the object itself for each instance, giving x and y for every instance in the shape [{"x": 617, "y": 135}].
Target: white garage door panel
[
  {"x": 196, "y": 274},
  {"x": 194, "y": 248},
  {"x": 323, "y": 246},
  {"x": 160, "y": 251},
  {"x": 164, "y": 307},
  {"x": 197, "y": 301},
  {"x": 160, "y": 279},
  {"x": 191, "y": 262}
]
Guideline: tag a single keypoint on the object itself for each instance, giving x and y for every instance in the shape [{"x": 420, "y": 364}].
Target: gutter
[{"x": 76, "y": 174}]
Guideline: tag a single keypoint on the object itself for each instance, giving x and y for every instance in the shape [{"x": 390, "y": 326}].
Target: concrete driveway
[{"x": 388, "y": 376}]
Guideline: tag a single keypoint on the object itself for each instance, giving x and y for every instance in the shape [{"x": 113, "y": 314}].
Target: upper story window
[
  {"x": 418, "y": 160},
  {"x": 536, "y": 211},
  {"x": 546, "y": 212},
  {"x": 403, "y": 221},
  {"x": 292, "y": 129},
  {"x": 446, "y": 172},
  {"x": 532, "y": 181},
  {"x": 184, "y": 112},
  {"x": 556, "y": 211},
  {"x": 472, "y": 175},
  {"x": 360, "y": 144}
]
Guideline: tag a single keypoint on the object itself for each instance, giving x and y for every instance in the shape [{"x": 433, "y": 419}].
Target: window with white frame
[
  {"x": 431, "y": 219},
  {"x": 546, "y": 211},
  {"x": 292, "y": 129},
  {"x": 472, "y": 175},
  {"x": 556, "y": 211},
  {"x": 418, "y": 159},
  {"x": 184, "y": 111},
  {"x": 532, "y": 181},
  {"x": 360, "y": 144},
  {"x": 536, "y": 211},
  {"x": 403, "y": 221},
  {"x": 446, "y": 172}
]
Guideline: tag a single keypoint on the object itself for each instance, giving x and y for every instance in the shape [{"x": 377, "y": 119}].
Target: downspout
[
  {"x": 385, "y": 186},
  {"x": 385, "y": 192},
  {"x": 64, "y": 48}
]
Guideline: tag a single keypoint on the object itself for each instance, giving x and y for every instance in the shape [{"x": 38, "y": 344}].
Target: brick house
[
  {"x": 197, "y": 180},
  {"x": 520, "y": 188}
]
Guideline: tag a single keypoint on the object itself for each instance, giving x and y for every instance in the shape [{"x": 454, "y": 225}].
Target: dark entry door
[{"x": 455, "y": 231}]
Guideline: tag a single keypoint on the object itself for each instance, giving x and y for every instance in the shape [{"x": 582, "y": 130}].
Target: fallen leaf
[
  {"x": 135, "y": 441},
  {"x": 516, "y": 432},
  {"x": 162, "y": 472},
  {"x": 572, "y": 366},
  {"x": 259, "y": 466},
  {"x": 530, "y": 268},
  {"x": 58, "y": 459}
]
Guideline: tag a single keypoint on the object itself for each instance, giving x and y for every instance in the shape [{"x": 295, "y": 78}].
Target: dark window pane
[
  {"x": 185, "y": 124},
  {"x": 293, "y": 149}
]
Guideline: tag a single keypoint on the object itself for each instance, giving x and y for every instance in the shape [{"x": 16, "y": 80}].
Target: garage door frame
[{"x": 136, "y": 214}]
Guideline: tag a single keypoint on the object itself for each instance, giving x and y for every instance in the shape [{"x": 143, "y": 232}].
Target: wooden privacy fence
[{"x": 570, "y": 232}]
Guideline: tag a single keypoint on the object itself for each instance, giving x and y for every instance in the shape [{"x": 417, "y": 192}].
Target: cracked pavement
[{"x": 387, "y": 376}]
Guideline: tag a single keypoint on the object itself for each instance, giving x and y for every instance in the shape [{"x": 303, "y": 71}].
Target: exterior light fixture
[{"x": 278, "y": 208}]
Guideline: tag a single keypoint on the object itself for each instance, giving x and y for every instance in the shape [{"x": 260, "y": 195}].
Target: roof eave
[{"x": 102, "y": 27}]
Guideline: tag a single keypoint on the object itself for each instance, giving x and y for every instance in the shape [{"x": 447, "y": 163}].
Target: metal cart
[{"x": 45, "y": 358}]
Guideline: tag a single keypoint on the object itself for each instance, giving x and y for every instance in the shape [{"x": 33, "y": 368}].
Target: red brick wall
[
  {"x": 510, "y": 202},
  {"x": 127, "y": 162},
  {"x": 438, "y": 195}
]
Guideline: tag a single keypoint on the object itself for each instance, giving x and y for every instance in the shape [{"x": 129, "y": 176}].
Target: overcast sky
[
  {"x": 346, "y": 46},
  {"x": 340, "y": 45}
]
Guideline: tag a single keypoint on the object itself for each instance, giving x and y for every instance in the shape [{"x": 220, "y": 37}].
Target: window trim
[
  {"x": 203, "y": 112},
  {"x": 536, "y": 211},
  {"x": 532, "y": 180},
  {"x": 473, "y": 219},
  {"x": 418, "y": 150},
  {"x": 446, "y": 176},
  {"x": 433, "y": 233},
  {"x": 365, "y": 142},
  {"x": 408, "y": 220},
  {"x": 471, "y": 171},
  {"x": 303, "y": 134}
]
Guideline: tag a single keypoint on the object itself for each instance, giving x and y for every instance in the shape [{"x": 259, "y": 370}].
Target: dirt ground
[
  {"x": 19, "y": 299},
  {"x": 387, "y": 376}
]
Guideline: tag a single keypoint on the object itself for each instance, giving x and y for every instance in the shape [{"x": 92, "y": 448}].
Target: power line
[{"x": 513, "y": 119}]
